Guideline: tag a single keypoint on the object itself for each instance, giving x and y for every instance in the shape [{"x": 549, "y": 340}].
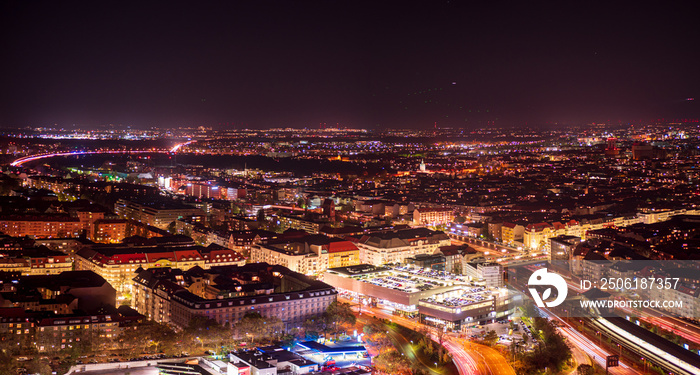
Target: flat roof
[
  {"x": 313, "y": 345},
  {"x": 661, "y": 343}
]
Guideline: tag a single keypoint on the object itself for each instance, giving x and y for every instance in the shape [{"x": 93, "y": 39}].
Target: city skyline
[{"x": 336, "y": 187}]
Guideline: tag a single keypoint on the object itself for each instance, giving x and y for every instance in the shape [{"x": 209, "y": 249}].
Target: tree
[
  {"x": 7, "y": 184},
  {"x": 441, "y": 339},
  {"x": 491, "y": 338},
  {"x": 144, "y": 339},
  {"x": 585, "y": 370},
  {"x": 8, "y": 364},
  {"x": 340, "y": 313},
  {"x": 551, "y": 352},
  {"x": 208, "y": 331},
  {"x": 37, "y": 366},
  {"x": 171, "y": 228},
  {"x": 256, "y": 326},
  {"x": 392, "y": 362}
]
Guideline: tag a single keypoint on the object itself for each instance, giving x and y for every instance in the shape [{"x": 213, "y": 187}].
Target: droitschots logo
[{"x": 544, "y": 278}]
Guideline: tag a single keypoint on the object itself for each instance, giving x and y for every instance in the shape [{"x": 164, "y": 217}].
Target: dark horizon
[{"x": 354, "y": 64}]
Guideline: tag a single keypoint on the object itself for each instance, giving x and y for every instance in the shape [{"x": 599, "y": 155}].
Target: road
[
  {"x": 594, "y": 351},
  {"x": 470, "y": 358},
  {"x": 677, "y": 326},
  {"x": 29, "y": 158},
  {"x": 466, "y": 363},
  {"x": 492, "y": 361},
  {"x": 580, "y": 357}
]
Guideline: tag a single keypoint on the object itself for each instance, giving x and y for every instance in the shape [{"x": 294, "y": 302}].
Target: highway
[
  {"x": 592, "y": 350},
  {"x": 467, "y": 363},
  {"x": 461, "y": 358},
  {"x": 25, "y": 159},
  {"x": 492, "y": 361},
  {"x": 677, "y": 326}
]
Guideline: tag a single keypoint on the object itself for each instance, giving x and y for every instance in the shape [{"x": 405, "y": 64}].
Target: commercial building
[
  {"x": 489, "y": 274},
  {"x": 269, "y": 360},
  {"x": 437, "y": 298},
  {"x": 434, "y": 262},
  {"x": 462, "y": 231},
  {"x": 158, "y": 213}
]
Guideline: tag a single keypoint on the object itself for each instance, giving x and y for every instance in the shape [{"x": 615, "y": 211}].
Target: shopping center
[{"x": 435, "y": 297}]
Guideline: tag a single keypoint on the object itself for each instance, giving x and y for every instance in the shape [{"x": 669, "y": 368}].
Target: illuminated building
[
  {"x": 393, "y": 247},
  {"x": 436, "y": 297},
  {"x": 309, "y": 256},
  {"x": 40, "y": 226},
  {"x": 155, "y": 213},
  {"x": 432, "y": 216},
  {"x": 35, "y": 261},
  {"x": 109, "y": 230},
  {"x": 173, "y": 296},
  {"x": 117, "y": 263}
]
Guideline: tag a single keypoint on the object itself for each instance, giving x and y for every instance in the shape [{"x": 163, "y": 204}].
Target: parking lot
[{"x": 503, "y": 330}]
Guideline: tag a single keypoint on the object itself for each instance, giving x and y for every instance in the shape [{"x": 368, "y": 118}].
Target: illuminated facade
[
  {"x": 157, "y": 214},
  {"x": 172, "y": 297}
]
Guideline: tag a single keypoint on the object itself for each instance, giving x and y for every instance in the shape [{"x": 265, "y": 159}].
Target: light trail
[
  {"x": 466, "y": 365},
  {"x": 180, "y": 145},
  {"x": 598, "y": 354},
  {"x": 26, "y": 159},
  {"x": 674, "y": 328}
]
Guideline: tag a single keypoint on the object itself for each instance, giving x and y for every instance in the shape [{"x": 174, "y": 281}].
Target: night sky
[{"x": 356, "y": 64}]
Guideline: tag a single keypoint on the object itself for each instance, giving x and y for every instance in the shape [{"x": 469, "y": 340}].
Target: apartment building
[
  {"x": 432, "y": 216},
  {"x": 167, "y": 296},
  {"x": 118, "y": 264},
  {"x": 395, "y": 246}
]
